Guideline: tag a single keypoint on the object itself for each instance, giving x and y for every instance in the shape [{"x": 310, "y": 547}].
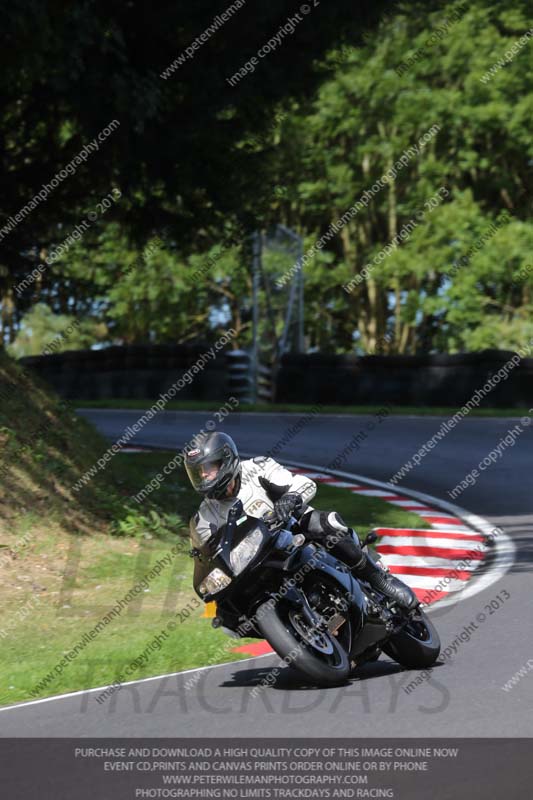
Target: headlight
[
  {"x": 215, "y": 582},
  {"x": 245, "y": 551}
]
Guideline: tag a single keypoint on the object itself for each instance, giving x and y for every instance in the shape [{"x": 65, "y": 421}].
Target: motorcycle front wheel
[{"x": 317, "y": 654}]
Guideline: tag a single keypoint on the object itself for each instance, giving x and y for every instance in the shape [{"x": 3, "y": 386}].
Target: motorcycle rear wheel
[{"x": 415, "y": 646}]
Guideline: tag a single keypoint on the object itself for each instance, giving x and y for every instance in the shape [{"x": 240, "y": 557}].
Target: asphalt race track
[{"x": 461, "y": 698}]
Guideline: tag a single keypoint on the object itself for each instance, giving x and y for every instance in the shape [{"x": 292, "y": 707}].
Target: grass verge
[{"x": 60, "y": 585}]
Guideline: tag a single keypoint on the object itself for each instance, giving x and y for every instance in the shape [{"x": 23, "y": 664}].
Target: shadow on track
[{"x": 289, "y": 679}]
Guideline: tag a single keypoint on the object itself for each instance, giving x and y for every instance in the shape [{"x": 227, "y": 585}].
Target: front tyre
[
  {"x": 321, "y": 657},
  {"x": 417, "y": 645}
]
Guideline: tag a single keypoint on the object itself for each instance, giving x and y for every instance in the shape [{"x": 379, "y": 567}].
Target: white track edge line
[
  {"x": 128, "y": 683},
  {"x": 503, "y": 559}
]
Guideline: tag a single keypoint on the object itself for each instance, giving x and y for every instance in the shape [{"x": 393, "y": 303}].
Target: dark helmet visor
[{"x": 204, "y": 474}]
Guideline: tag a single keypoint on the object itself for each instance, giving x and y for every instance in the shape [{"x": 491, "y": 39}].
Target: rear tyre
[
  {"x": 322, "y": 658},
  {"x": 415, "y": 646}
]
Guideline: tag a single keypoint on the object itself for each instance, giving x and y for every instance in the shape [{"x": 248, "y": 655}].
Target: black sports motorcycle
[{"x": 274, "y": 584}]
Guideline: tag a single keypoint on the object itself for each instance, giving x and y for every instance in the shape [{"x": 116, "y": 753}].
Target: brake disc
[{"x": 312, "y": 637}]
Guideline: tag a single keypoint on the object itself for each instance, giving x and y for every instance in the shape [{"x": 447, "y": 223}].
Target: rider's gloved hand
[
  {"x": 270, "y": 519},
  {"x": 288, "y": 505}
]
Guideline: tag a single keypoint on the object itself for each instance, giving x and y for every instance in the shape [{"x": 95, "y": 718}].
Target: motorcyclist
[{"x": 216, "y": 472}]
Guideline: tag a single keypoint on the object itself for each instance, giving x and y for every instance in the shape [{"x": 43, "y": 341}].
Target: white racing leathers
[{"x": 263, "y": 481}]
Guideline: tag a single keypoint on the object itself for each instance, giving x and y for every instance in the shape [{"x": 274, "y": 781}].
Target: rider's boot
[
  {"x": 362, "y": 565},
  {"x": 383, "y": 581},
  {"x": 344, "y": 544}
]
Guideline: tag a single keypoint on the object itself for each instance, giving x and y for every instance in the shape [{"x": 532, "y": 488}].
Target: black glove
[
  {"x": 287, "y": 506},
  {"x": 270, "y": 520}
]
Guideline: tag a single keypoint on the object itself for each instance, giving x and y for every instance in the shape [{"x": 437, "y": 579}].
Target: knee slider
[{"x": 333, "y": 523}]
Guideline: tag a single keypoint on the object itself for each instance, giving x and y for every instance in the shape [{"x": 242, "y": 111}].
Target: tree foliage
[
  {"x": 367, "y": 113},
  {"x": 200, "y": 164}
]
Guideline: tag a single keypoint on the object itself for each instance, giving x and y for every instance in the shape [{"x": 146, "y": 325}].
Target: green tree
[
  {"x": 43, "y": 333},
  {"x": 367, "y": 113},
  {"x": 69, "y": 70}
]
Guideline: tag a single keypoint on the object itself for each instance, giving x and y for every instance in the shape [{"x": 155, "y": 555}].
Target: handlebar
[{"x": 271, "y": 521}]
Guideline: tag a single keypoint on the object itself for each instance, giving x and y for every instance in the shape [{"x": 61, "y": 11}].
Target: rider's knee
[
  {"x": 329, "y": 528},
  {"x": 334, "y": 523}
]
